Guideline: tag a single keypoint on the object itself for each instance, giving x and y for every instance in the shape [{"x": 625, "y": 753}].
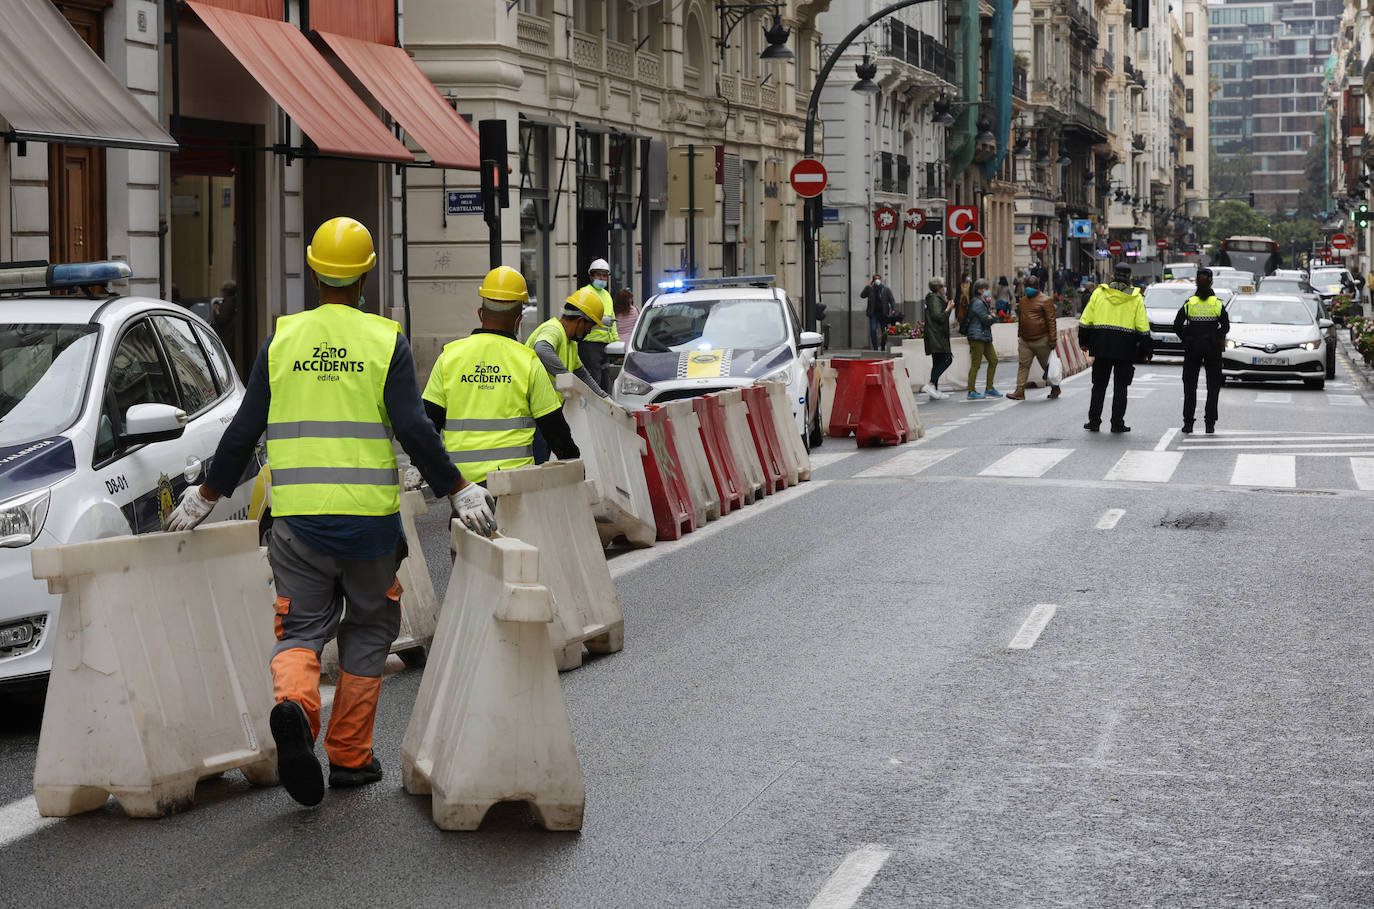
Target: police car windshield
[
  {"x": 711, "y": 325},
  {"x": 1270, "y": 312},
  {"x": 43, "y": 372}
]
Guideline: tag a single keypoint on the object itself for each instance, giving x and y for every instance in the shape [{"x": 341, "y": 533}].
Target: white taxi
[
  {"x": 705, "y": 335},
  {"x": 109, "y": 406}
]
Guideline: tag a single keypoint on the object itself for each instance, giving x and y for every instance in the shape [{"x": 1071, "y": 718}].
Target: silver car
[{"x": 1274, "y": 337}]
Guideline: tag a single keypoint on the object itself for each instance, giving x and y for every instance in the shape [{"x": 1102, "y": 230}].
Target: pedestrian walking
[
  {"x": 980, "y": 319},
  {"x": 1036, "y": 333},
  {"x": 1116, "y": 332},
  {"x": 1202, "y": 324},
  {"x": 556, "y": 343},
  {"x": 592, "y": 348},
  {"x": 881, "y": 310},
  {"x": 626, "y": 313},
  {"x": 1001, "y": 295},
  {"x": 330, "y": 388},
  {"x": 936, "y": 308},
  {"x": 1018, "y": 288},
  {"x": 488, "y": 393}
]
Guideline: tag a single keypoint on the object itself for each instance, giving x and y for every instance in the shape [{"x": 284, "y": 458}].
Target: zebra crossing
[{"x": 1246, "y": 458}]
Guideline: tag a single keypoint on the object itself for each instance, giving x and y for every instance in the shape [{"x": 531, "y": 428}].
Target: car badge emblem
[{"x": 1270, "y": 348}]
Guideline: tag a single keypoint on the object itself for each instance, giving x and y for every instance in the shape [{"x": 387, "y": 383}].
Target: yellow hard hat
[
  {"x": 340, "y": 251},
  {"x": 588, "y": 302},
  {"x": 504, "y": 283}
]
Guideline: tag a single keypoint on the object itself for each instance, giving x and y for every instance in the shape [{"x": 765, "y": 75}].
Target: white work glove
[
  {"x": 474, "y": 506},
  {"x": 607, "y": 320},
  {"x": 413, "y": 479},
  {"x": 193, "y": 509}
]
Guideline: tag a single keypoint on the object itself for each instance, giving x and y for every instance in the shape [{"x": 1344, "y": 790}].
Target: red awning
[
  {"x": 287, "y": 66},
  {"x": 397, "y": 83}
]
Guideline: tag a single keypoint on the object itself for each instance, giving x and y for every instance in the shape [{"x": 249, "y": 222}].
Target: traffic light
[
  {"x": 1362, "y": 215},
  {"x": 1252, "y": 200},
  {"x": 491, "y": 191},
  {"x": 1140, "y": 13}
]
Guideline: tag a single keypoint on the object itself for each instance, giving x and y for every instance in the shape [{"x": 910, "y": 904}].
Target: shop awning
[
  {"x": 287, "y": 66},
  {"x": 54, "y": 88},
  {"x": 397, "y": 83}
]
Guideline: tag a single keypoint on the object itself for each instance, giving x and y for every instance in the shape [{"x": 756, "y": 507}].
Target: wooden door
[{"x": 76, "y": 174}]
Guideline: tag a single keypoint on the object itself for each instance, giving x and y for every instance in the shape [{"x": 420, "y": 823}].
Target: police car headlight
[
  {"x": 21, "y": 518},
  {"x": 783, "y": 375},
  {"x": 632, "y": 386}
]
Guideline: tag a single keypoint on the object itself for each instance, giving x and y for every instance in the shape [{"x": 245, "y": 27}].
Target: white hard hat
[{"x": 598, "y": 265}]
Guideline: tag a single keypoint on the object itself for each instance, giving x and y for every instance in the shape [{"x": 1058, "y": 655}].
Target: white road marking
[
  {"x": 1145, "y": 466},
  {"x": 1202, "y": 446},
  {"x": 1265, "y": 470},
  {"x": 1164, "y": 440},
  {"x": 1030, "y": 629},
  {"x": 20, "y": 819},
  {"x": 1110, "y": 517},
  {"x": 830, "y": 457},
  {"x": 1273, "y": 397},
  {"x": 843, "y": 889},
  {"x": 910, "y": 463},
  {"x": 1136, "y": 394},
  {"x": 1346, "y": 400},
  {"x": 1363, "y": 469},
  {"x": 1026, "y": 462}
]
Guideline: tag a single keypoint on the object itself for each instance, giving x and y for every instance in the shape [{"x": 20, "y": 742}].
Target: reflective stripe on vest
[
  {"x": 328, "y": 433},
  {"x": 499, "y": 424},
  {"x": 1198, "y": 308}
]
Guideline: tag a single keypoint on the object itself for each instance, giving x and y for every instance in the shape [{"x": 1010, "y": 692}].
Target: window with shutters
[{"x": 730, "y": 188}]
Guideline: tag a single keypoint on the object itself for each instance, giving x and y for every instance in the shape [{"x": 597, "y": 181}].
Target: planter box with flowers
[
  {"x": 1004, "y": 332},
  {"x": 906, "y": 341}
]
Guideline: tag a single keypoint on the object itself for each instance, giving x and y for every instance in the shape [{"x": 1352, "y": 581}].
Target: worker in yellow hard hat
[
  {"x": 592, "y": 348},
  {"x": 488, "y": 393},
  {"x": 331, "y": 387},
  {"x": 555, "y": 342}
]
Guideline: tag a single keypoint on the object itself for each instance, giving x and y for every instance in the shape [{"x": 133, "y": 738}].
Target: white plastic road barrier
[
  {"x": 829, "y": 378},
  {"x": 490, "y": 723},
  {"x": 742, "y": 444},
  {"x": 159, "y": 676},
  {"x": 550, "y": 507},
  {"x": 691, "y": 454},
  {"x": 917, "y": 362},
  {"x": 785, "y": 425},
  {"x": 908, "y": 399},
  {"x": 611, "y": 449},
  {"x": 419, "y": 602}
]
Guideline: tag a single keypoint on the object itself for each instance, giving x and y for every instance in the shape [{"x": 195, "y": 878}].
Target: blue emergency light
[
  {"x": 30, "y": 276},
  {"x": 680, "y": 284}
]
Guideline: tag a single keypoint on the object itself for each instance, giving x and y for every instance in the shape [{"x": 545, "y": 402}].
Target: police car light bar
[
  {"x": 27, "y": 276},
  {"x": 733, "y": 281}
]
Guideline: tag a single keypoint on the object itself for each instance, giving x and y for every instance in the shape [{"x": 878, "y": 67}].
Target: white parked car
[
  {"x": 109, "y": 407},
  {"x": 1274, "y": 337},
  {"x": 700, "y": 336}
]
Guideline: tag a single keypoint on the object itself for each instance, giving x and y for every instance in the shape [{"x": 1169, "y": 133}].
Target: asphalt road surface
[{"x": 1012, "y": 664}]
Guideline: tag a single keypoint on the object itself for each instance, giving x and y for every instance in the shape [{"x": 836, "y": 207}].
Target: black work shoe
[
  {"x": 1188, "y": 428},
  {"x": 297, "y": 765},
  {"x": 1120, "y": 427},
  {"x": 1211, "y": 428},
  {"x": 342, "y": 777},
  {"x": 1092, "y": 427}
]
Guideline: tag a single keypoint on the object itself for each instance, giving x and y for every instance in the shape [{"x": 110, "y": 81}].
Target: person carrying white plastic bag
[
  {"x": 1037, "y": 329},
  {"x": 1054, "y": 373}
]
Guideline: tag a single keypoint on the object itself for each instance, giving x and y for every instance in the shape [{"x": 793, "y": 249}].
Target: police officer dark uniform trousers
[
  {"x": 330, "y": 388},
  {"x": 1202, "y": 324}
]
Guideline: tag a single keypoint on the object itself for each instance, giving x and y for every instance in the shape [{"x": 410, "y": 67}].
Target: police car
[
  {"x": 109, "y": 406},
  {"x": 703, "y": 335}
]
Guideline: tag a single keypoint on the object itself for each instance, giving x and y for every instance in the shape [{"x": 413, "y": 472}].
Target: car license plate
[
  {"x": 15, "y": 635},
  {"x": 1165, "y": 338},
  {"x": 1269, "y": 361}
]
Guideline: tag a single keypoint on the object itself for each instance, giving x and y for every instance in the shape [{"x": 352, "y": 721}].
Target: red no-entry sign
[
  {"x": 1114, "y": 247},
  {"x": 1039, "y": 241},
  {"x": 808, "y": 177},
  {"x": 1161, "y": 243},
  {"x": 971, "y": 244},
  {"x": 1342, "y": 241}
]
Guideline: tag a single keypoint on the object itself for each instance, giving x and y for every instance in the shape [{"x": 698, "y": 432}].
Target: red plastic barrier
[
  {"x": 674, "y": 513},
  {"x": 765, "y": 438},
  {"x": 866, "y": 403},
  {"x": 719, "y": 454}
]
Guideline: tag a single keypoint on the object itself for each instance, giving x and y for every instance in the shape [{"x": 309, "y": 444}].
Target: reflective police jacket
[
  {"x": 1202, "y": 324},
  {"x": 1114, "y": 325}
]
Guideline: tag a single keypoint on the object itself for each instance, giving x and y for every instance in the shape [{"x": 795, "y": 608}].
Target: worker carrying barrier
[
  {"x": 789, "y": 437},
  {"x": 725, "y": 472},
  {"x": 742, "y": 443},
  {"x": 760, "y": 414},
  {"x": 419, "y": 602},
  {"x": 915, "y": 428},
  {"x": 866, "y": 403},
  {"x": 674, "y": 512},
  {"x": 691, "y": 455},
  {"x": 607, "y": 436},
  {"x": 159, "y": 675},
  {"x": 550, "y": 507},
  {"x": 489, "y": 723}
]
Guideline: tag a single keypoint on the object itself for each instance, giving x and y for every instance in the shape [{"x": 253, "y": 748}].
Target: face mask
[
  {"x": 598, "y": 284},
  {"x": 877, "y": 283}
]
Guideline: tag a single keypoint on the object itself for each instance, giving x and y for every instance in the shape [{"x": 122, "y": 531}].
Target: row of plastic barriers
[
  {"x": 1073, "y": 357},
  {"x": 870, "y": 400}
]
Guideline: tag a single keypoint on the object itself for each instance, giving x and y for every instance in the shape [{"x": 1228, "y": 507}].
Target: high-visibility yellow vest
[
  {"x": 566, "y": 348},
  {"x": 1198, "y": 308},
  {"x": 1109, "y": 307},
  {"x": 328, "y": 433},
  {"x": 492, "y": 388},
  {"x": 603, "y": 335}
]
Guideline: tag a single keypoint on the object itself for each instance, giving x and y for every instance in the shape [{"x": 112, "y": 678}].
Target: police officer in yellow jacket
[
  {"x": 1202, "y": 324},
  {"x": 1116, "y": 331},
  {"x": 488, "y": 392},
  {"x": 330, "y": 388},
  {"x": 592, "y": 348}
]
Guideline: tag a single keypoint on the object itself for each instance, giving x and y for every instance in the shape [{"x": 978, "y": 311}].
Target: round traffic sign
[
  {"x": 1341, "y": 241},
  {"x": 971, "y": 244},
  {"x": 915, "y": 218},
  {"x": 1114, "y": 247},
  {"x": 885, "y": 218},
  {"x": 808, "y": 177},
  {"x": 1161, "y": 243},
  {"x": 1039, "y": 241}
]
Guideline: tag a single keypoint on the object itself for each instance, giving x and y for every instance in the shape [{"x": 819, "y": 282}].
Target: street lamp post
[{"x": 811, "y": 208}]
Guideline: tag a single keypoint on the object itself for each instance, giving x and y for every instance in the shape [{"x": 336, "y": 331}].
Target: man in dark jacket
[
  {"x": 936, "y": 309},
  {"x": 1202, "y": 325},
  {"x": 1116, "y": 331},
  {"x": 881, "y": 310}
]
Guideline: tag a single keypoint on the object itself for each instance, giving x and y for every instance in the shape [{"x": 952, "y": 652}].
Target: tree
[
  {"x": 1314, "y": 169},
  {"x": 1295, "y": 235},
  {"x": 1235, "y": 219}
]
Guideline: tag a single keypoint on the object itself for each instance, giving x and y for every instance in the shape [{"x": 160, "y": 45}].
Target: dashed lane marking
[
  {"x": 1364, "y": 472},
  {"x": 1026, "y": 462},
  {"x": 843, "y": 889},
  {"x": 910, "y": 463},
  {"x": 1110, "y": 517},
  {"x": 1273, "y": 397},
  {"x": 1279, "y": 471},
  {"x": 1164, "y": 440},
  {"x": 1030, "y": 629},
  {"x": 1145, "y": 466}
]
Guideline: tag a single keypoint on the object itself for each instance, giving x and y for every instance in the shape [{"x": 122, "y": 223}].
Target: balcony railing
[
  {"x": 1018, "y": 84},
  {"x": 1105, "y": 61},
  {"x": 919, "y": 50}
]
